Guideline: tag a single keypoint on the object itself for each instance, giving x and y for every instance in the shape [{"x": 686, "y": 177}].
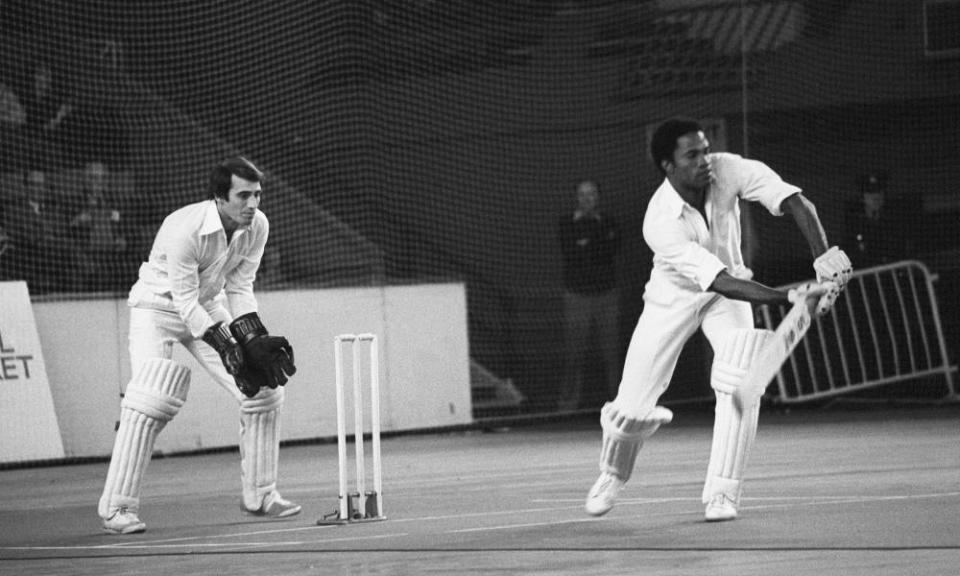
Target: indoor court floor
[{"x": 852, "y": 491}]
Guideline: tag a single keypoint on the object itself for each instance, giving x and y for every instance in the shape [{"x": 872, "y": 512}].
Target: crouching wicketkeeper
[{"x": 197, "y": 289}]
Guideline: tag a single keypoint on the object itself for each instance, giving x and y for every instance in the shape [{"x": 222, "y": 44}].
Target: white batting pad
[
  {"x": 623, "y": 436},
  {"x": 260, "y": 445},
  {"x": 733, "y": 432},
  {"x": 154, "y": 396}
]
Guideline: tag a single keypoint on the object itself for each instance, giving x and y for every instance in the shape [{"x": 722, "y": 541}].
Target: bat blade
[{"x": 788, "y": 334}]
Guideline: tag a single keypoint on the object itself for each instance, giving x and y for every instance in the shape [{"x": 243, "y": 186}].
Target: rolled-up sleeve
[
  {"x": 757, "y": 182},
  {"x": 671, "y": 243}
]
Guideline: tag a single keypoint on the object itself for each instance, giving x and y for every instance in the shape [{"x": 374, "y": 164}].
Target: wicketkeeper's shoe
[
  {"x": 720, "y": 508},
  {"x": 275, "y": 506},
  {"x": 123, "y": 521},
  {"x": 603, "y": 494}
]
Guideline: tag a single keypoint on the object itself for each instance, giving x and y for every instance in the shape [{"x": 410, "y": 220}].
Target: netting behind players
[{"x": 412, "y": 141}]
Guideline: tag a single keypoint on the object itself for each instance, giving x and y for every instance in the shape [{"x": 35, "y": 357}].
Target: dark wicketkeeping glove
[
  {"x": 272, "y": 355},
  {"x": 253, "y": 378},
  {"x": 231, "y": 354}
]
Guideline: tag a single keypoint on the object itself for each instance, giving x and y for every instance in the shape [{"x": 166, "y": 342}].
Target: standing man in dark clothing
[
  {"x": 589, "y": 242},
  {"x": 877, "y": 231}
]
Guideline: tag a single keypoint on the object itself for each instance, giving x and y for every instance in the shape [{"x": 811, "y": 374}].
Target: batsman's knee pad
[
  {"x": 153, "y": 397},
  {"x": 734, "y": 357},
  {"x": 260, "y": 444},
  {"x": 733, "y": 431},
  {"x": 623, "y": 435}
]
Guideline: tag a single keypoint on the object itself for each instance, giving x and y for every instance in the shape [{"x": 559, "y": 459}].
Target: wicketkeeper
[
  {"x": 196, "y": 289},
  {"x": 699, "y": 281}
]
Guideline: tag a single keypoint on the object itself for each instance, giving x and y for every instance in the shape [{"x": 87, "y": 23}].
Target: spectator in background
[
  {"x": 13, "y": 118},
  {"x": 12, "y": 114},
  {"x": 47, "y": 105},
  {"x": 40, "y": 251},
  {"x": 589, "y": 242},
  {"x": 97, "y": 229},
  {"x": 48, "y": 108},
  {"x": 876, "y": 229}
]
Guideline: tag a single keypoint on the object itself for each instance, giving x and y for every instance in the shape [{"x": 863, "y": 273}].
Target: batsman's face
[
  {"x": 690, "y": 169},
  {"x": 241, "y": 204}
]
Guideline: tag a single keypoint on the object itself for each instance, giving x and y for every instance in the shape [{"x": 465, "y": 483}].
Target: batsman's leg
[
  {"x": 733, "y": 432},
  {"x": 259, "y": 454},
  {"x": 623, "y": 435},
  {"x": 155, "y": 395}
]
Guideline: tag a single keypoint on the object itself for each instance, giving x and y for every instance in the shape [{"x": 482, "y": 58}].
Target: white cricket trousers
[
  {"x": 660, "y": 335},
  {"x": 153, "y": 334}
]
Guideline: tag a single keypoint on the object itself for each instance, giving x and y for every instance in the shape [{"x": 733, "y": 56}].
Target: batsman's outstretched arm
[{"x": 734, "y": 288}]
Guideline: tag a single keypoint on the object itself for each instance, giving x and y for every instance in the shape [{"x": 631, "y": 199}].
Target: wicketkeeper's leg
[
  {"x": 260, "y": 446},
  {"x": 733, "y": 432},
  {"x": 259, "y": 439},
  {"x": 153, "y": 397}
]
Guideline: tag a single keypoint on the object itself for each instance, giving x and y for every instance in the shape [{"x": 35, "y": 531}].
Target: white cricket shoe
[
  {"x": 603, "y": 494},
  {"x": 275, "y": 506},
  {"x": 123, "y": 521},
  {"x": 720, "y": 509}
]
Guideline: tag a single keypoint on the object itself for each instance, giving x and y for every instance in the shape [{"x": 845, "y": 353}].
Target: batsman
[
  {"x": 196, "y": 289},
  {"x": 699, "y": 281}
]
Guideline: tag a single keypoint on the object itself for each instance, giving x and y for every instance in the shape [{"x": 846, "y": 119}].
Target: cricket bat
[{"x": 788, "y": 334}]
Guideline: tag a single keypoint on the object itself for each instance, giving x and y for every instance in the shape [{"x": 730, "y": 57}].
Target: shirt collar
[
  {"x": 211, "y": 219},
  {"x": 672, "y": 200}
]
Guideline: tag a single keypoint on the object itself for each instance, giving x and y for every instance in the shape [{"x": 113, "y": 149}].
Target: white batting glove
[
  {"x": 825, "y": 293},
  {"x": 834, "y": 266}
]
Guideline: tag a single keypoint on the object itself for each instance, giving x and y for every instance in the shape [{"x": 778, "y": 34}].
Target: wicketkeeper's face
[{"x": 242, "y": 201}]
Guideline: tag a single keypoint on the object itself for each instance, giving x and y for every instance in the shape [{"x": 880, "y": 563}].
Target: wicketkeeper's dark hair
[
  {"x": 664, "y": 141},
  {"x": 219, "y": 186}
]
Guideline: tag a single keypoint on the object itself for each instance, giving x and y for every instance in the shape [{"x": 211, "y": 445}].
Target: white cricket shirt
[
  {"x": 687, "y": 252},
  {"x": 192, "y": 268}
]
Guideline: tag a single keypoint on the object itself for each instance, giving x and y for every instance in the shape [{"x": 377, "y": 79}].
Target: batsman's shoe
[
  {"x": 603, "y": 494},
  {"x": 275, "y": 506},
  {"x": 123, "y": 522},
  {"x": 720, "y": 509}
]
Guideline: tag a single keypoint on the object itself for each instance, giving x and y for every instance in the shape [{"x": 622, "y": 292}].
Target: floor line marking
[{"x": 185, "y": 542}]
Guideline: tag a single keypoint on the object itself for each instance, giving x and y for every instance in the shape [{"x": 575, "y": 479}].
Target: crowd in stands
[
  {"x": 68, "y": 221},
  {"x": 71, "y": 236}
]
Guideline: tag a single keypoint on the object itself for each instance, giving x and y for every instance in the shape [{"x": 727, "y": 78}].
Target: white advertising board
[{"x": 30, "y": 428}]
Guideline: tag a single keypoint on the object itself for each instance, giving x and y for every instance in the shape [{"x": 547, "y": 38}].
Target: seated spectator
[
  {"x": 97, "y": 229},
  {"x": 40, "y": 252}
]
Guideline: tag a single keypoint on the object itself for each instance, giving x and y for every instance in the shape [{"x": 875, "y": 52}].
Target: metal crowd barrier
[{"x": 885, "y": 329}]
